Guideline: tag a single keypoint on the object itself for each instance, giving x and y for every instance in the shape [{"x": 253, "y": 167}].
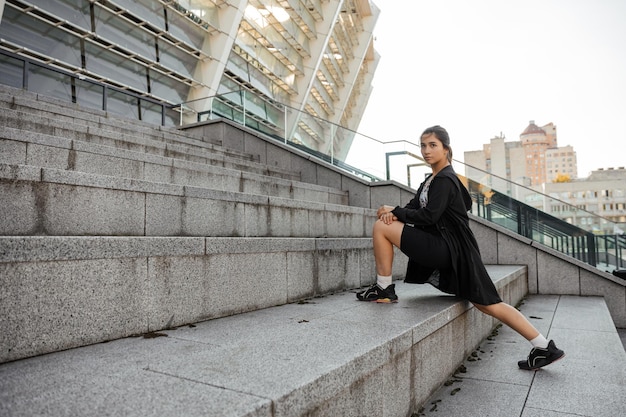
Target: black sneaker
[
  {"x": 378, "y": 295},
  {"x": 540, "y": 357}
]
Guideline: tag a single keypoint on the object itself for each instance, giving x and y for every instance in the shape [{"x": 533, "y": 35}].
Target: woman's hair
[{"x": 441, "y": 134}]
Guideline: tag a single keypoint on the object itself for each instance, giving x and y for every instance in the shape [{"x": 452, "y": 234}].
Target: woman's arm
[{"x": 440, "y": 194}]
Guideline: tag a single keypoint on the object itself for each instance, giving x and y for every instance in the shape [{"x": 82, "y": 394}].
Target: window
[
  {"x": 149, "y": 10},
  {"x": 176, "y": 60},
  {"x": 116, "y": 67},
  {"x": 11, "y": 71},
  {"x": 50, "y": 41},
  {"x": 168, "y": 88},
  {"x": 126, "y": 35},
  {"x": 186, "y": 30},
  {"x": 75, "y": 11}
]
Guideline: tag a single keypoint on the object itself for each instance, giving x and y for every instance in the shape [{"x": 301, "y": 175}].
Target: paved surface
[
  {"x": 589, "y": 381},
  {"x": 164, "y": 375}
]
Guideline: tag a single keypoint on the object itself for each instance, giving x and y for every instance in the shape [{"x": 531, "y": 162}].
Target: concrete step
[
  {"x": 258, "y": 155},
  {"x": 589, "y": 381},
  {"x": 47, "y": 201},
  {"x": 156, "y": 142},
  {"x": 326, "y": 356},
  {"x": 30, "y": 148},
  {"x": 63, "y": 292}
]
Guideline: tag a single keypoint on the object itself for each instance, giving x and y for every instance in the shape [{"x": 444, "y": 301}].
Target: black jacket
[{"x": 446, "y": 211}]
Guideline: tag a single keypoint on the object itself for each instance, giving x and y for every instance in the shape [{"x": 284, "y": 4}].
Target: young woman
[{"x": 433, "y": 231}]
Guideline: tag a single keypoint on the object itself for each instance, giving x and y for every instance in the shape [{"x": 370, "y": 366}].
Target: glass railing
[
  {"x": 525, "y": 211},
  {"x": 575, "y": 232}
]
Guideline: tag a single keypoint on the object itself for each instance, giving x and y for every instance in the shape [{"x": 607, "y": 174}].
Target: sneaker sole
[
  {"x": 538, "y": 368},
  {"x": 385, "y": 301}
]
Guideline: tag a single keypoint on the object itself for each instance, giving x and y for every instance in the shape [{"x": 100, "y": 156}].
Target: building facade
[
  {"x": 535, "y": 171},
  {"x": 534, "y": 160},
  {"x": 258, "y": 56},
  {"x": 596, "y": 203}
]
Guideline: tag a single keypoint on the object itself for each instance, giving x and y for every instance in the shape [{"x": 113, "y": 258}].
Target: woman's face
[{"x": 432, "y": 150}]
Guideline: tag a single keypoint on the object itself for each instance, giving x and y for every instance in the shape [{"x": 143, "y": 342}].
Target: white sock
[
  {"x": 539, "y": 341},
  {"x": 383, "y": 282}
]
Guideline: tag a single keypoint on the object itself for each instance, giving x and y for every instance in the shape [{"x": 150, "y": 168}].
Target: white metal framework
[{"x": 315, "y": 56}]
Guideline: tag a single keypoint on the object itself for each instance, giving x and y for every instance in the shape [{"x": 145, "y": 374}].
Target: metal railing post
[
  {"x": 25, "y": 70},
  {"x": 285, "y": 122},
  {"x": 333, "y": 129},
  {"x": 244, "y": 107}
]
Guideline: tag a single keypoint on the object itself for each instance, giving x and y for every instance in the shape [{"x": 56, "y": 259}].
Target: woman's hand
[{"x": 384, "y": 214}]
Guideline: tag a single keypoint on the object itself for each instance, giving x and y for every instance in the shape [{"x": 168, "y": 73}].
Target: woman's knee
[
  {"x": 391, "y": 232},
  {"x": 380, "y": 227}
]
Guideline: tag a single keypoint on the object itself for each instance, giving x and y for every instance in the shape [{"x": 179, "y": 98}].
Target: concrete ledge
[
  {"x": 63, "y": 292},
  {"x": 328, "y": 356}
]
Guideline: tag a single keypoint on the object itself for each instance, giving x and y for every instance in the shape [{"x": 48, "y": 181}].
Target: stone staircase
[
  {"x": 113, "y": 229},
  {"x": 324, "y": 356}
]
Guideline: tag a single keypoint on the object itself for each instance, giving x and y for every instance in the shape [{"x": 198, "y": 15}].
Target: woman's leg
[
  {"x": 385, "y": 237},
  {"x": 510, "y": 316},
  {"x": 543, "y": 352}
]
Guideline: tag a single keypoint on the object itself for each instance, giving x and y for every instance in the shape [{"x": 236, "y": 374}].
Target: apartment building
[
  {"x": 541, "y": 168},
  {"x": 532, "y": 161},
  {"x": 596, "y": 203}
]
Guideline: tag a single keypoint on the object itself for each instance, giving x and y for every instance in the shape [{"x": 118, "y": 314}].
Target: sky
[{"x": 481, "y": 68}]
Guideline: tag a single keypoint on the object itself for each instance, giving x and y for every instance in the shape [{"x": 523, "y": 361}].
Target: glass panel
[
  {"x": 11, "y": 71},
  {"x": 49, "y": 83},
  {"x": 172, "y": 117},
  {"x": 148, "y": 10},
  {"x": 186, "y": 30},
  {"x": 115, "y": 67},
  {"x": 261, "y": 81},
  {"x": 150, "y": 112},
  {"x": 238, "y": 66},
  {"x": 207, "y": 11},
  {"x": 227, "y": 84},
  {"x": 31, "y": 33},
  {"x": 221, "y": 109},
  {"x": 274, "y": 115},
  {"x": 255, "y": 104},
  {"x": 176, "y": 60},
  {"x": 122, "y": 33},
  {"x": 74, "y": 11},
  {"x": 233, "y": 98},
  {"x": 168, "y": 88},
  {"x": 122, "y": 104},
  {"x": 252, "y": 124},
  {"x": 89, "y": 94}
]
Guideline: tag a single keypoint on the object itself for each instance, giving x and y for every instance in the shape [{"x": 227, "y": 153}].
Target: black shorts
[{"x": 424, "y": 247}]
